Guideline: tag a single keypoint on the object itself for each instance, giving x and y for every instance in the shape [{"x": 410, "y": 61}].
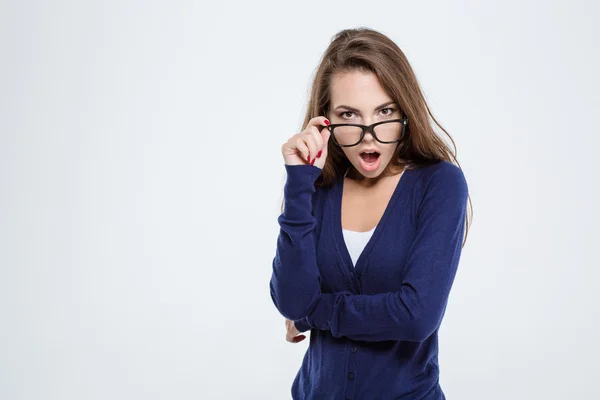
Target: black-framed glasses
[{"x": 347, "y": 135}]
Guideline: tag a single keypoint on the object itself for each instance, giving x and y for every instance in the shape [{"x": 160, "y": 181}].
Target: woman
[{"x": 372, "y": 228}]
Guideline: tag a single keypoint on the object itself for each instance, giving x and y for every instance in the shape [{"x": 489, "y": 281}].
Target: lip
[
  {"x": 369, "y": 167},
  {"x": 370, "y": 151}
]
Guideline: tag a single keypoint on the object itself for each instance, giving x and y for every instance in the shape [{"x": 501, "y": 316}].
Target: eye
[
  {"x": 390, "y": 109},
  {"x": 344, "y": 112}
]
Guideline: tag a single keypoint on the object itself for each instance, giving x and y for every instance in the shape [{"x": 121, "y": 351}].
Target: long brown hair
[{"x": 367, "y": 50}]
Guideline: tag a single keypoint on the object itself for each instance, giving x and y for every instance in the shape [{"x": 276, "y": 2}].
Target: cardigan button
[
  {"x": 350, "y": 376},
  {"x": 354, "y": 349}
]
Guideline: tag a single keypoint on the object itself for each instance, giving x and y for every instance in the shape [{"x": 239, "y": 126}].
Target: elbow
[
  {"x": 421, "y": 331},
  {"x": 291, "y": 310},
  {"x": 415, "y": 320},
  {"x": 292, "y": 305},
  {"x": 422, "y": 327}
]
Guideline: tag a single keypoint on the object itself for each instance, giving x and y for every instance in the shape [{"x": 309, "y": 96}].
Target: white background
[{"x": 141, "y": 179}]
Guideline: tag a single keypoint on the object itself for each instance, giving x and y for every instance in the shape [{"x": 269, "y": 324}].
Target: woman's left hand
[{"x": 293, "y": 335}]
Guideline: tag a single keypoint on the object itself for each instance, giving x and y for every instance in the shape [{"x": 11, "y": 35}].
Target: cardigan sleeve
[
  {"x": 302, "y": 324},
  {"x": 295, "y": 283},
  {"x": 415, "y": 310}
]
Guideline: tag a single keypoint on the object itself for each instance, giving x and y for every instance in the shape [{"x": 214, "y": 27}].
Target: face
[{"x": 359, "y": 98}]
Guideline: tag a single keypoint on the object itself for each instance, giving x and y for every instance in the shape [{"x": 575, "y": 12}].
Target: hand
[
  {"x": 293, "y": 335},
  {"x": 308, "y": 146}
]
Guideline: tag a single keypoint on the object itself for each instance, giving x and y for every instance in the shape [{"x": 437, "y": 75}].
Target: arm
[
  {"x": 415, "y": 310},
  {"x": 302, "y": 325},
  {"x": 295, "y": 283}
]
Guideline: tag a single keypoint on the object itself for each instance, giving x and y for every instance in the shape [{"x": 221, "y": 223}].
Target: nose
[{"x": 368, "y": 135}]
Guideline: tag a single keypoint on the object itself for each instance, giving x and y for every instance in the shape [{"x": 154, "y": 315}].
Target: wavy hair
[{"x": 367, "y": 50}]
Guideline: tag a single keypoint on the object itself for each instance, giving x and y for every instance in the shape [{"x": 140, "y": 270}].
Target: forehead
[{"x": 357, "y": 89}]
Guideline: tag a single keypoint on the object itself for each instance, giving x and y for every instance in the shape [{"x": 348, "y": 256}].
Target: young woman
[{"x": 372, "y": 227}]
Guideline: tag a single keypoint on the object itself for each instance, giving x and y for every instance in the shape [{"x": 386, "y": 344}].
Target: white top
[{"x": 356, "y": 242}]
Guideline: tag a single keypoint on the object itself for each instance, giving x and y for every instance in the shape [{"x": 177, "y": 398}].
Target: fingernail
[
  {"x": 313, "y": 161},
  {"x": 319, "y": 153},
  {"x": 308, "y": 159},
  {"x": 327, "y": 122}
]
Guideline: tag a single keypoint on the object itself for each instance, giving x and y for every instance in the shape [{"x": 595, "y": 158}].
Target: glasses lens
[
  {"x": 347, "y": 135},
  {"x": 389, "y": 132}
]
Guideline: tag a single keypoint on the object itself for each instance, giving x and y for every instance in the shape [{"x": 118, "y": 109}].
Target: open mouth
[{"x": 369, "y": 156}]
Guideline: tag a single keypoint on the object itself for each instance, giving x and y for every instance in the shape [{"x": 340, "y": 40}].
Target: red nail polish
[
  {"x": 319, "y": 154},
  {"x": 313, "y": 161},
  {"x": 308, "y": 159},
  {"x": 327, "y": 122}
]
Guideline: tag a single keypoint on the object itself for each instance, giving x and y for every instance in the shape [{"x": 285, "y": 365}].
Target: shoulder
[
  {"x": 439, "y": 172},
  {"x": 442, "y": 178}
]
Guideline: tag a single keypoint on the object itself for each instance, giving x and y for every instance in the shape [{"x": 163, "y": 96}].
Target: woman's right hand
[
  {"x": 308, "y": 146},
  {"x": 292, "y": 334}
]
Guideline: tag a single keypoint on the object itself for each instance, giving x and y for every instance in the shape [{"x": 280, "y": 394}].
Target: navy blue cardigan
[{"x": 374, "y": 326}]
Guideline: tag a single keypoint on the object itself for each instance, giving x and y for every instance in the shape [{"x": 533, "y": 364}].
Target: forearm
[
  {"x": 415, "y": 310},
  {"x": 295, "y": 283},
  {"x": 379, "y": 317}
]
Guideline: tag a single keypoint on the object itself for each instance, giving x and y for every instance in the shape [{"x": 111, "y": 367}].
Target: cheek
[
  {"x": 349, "y": 154},
  {"x": 387, "y": 154}
]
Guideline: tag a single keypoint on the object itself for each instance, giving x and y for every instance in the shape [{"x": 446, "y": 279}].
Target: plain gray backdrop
[{"x": 141, "y": 179}]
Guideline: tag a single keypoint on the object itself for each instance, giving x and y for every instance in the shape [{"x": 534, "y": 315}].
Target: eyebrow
[{"x": 356, "y": 110}]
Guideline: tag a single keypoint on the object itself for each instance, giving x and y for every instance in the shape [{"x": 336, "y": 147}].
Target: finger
[
  {"x": 318, "y": 137},
  {"x": 302, "y": 148},
  {"x": 298, "y": 338},
  {"x": 311, "y": 143},
  {"x": 325, "y": 134},
  {"x": 295, "y": 339},
  {"x": 317, "y": 121}
]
